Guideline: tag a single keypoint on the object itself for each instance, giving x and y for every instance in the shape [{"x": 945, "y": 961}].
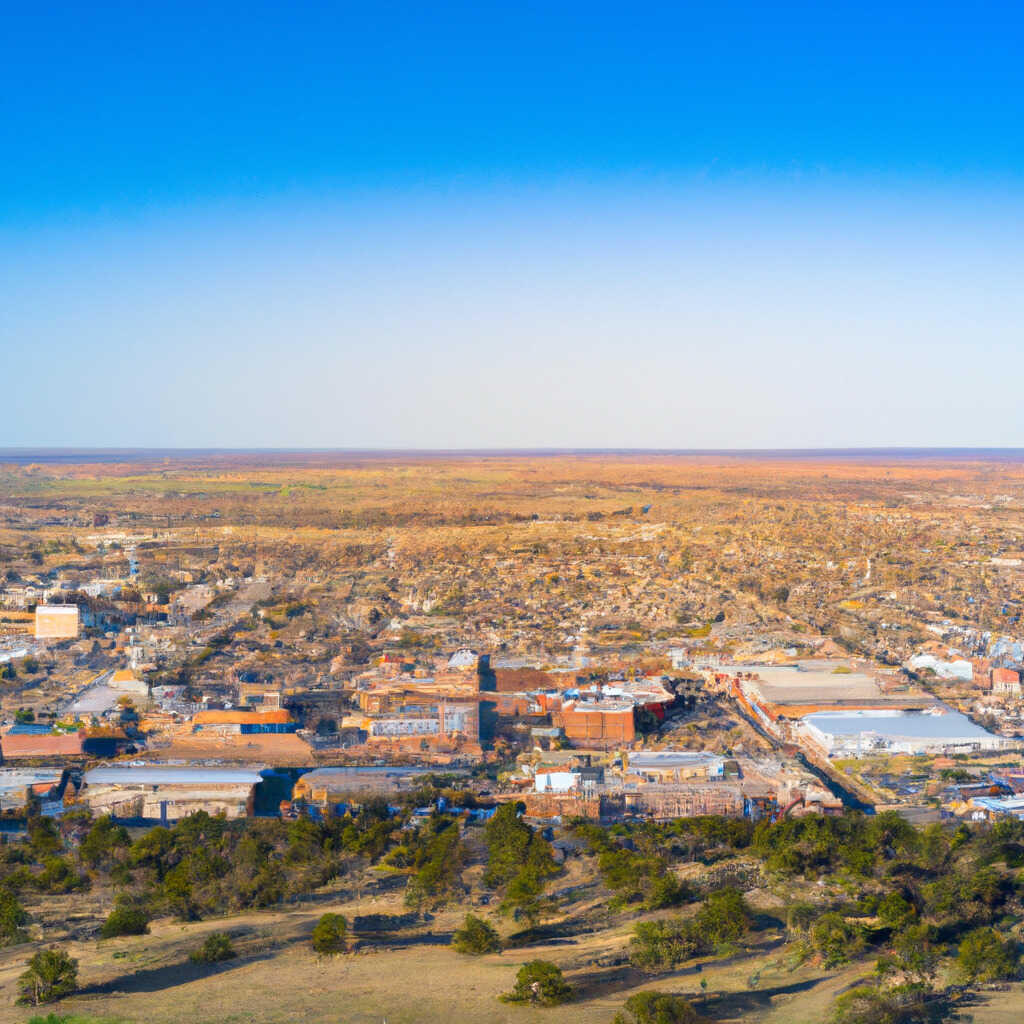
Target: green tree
[
  {"x": 44, "y": 837},
  {"x": 657, "y": 1008},
  {"x": 51, "y": 975},
  {"x": 525, "y": 896},
  {"x": 836, "y": 939},
  {"x": 179, "y": 893},
  {"x": 59, "y": 876},
  {"x": 476, "y": 937},
  {"x": 511, "y": 845},
  {"x": 12, "y": 919},
  {"x": 984, "y": 956},
  {"x": 102, "y": 840},
  {"x": 896, "y": 912},
  {"x": 438, "y": 879},
  {"x": 914, "y": 954},
  {"x": 540, "y": 982},
  {"x": 329, "y": 934},
  {"x": 724, "y": 917},
  {"x": 661, "y": 945}
]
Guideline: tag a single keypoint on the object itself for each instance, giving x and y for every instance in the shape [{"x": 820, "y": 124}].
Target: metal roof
[
  {"x": 671, "y": 758},
  {"x": 20, "y": 778},
  {"x": 156, "y": 775}
]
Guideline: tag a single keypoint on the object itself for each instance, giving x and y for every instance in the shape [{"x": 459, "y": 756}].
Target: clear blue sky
[{"x": 475, "y": 225}]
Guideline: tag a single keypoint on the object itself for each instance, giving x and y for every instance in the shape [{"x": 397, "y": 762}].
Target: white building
[
  {"x": 676, "y": 765},
  {"x": 56, "y": 621},
  {"x": 877, "y": 730},
  {"x": 556, "y": 782}
]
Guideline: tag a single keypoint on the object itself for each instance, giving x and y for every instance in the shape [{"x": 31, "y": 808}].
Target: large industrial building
[
  {"x": 166, "y": 794},
  {"x": 880, "y": 730}
]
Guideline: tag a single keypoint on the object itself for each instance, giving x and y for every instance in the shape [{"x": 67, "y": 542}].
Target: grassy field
[{"x": 412, "y": 976}]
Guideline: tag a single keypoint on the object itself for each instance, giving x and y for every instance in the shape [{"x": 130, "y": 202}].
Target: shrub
[
  {"x": 541, "y": 983},
  {"x": 895, "y": 911},
  {"x": 660, "y": 945},
  {"x": 59, "y": 876},
  {"x": 329, "y": 934},
  {"x": 800, "y": 916},
  {"x": 666, "y": 891},
  {"x": 102, "y": 840},
  {"x": 125, "y": 921},
  {"x": 724, "y": 917},
  {"x": 51, "y": 975},
  {"x": 657, "y": 1008},
  {"x": 215, "y": 949},
  {"x": 914, "y": 954},
  {"x": 984, "y": 956},
  {"x": 836, "y": 939},
  {"x": 912, "y": 1003},
  {"x": 476, "y": 937}
]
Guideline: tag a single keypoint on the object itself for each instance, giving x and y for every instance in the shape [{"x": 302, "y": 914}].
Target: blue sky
[{"x": 472, "y": 225}]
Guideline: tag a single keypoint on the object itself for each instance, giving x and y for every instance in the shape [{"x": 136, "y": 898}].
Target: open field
[
  {"x": 277, "y": 979},
  {"x": 409, "y": 979}
]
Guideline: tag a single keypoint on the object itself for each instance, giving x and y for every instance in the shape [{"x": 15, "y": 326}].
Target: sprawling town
[{"x": 635, "y": 644}]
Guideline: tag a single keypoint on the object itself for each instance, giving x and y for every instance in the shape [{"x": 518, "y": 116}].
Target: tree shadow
[
  {"x": 384, "y": 941},
  {"x": 735, "y": 1004},
  {"x": 561, "y": 933},
  {"x": 155, "y": 979},
  {"x": 607, "y": 981}
]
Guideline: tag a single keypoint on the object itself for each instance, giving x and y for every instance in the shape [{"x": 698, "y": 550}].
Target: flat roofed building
[
  {"x": 169, "y": 794},
  {"x": 19, "y": 785},
  {"x": 878, "y": 730},
  {"x": 56, "y": 621}
]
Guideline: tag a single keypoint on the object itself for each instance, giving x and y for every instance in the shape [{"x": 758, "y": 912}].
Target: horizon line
[{"x": 23, "y": 453}]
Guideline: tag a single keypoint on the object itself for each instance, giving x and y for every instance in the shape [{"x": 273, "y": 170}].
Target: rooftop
[
  {"x": 671, "y": 758},
  {"x": 154, "y": 775},
  {"x": 951, "y": 725}
]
